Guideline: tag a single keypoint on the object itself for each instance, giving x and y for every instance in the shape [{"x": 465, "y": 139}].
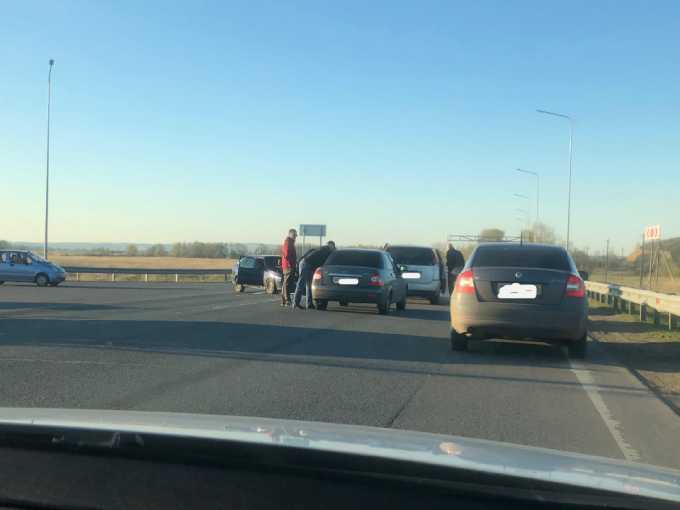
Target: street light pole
[
  {"x": 538, "y": 188},
  {"x": 524, "y": 211},
  {"x": 571, "y": 159},
  {"x": 47, "y": 172}
]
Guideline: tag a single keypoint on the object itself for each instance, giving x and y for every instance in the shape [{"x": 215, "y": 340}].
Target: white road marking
[{"x": 585, "y": 377}]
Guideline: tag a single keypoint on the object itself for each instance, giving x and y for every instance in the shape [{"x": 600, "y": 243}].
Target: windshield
[
  {"x": 414, "y": 256},
  {"x": 514, "y": 256},
  {"x": 355, "y": 258},
  {"x": 488, "y": 193}
]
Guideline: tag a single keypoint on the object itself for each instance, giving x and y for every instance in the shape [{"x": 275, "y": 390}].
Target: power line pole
[
  {"x": 47, "y": 172},
  {"x": 606, "y": 264}
]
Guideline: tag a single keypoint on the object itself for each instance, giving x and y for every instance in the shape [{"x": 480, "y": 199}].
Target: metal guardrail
[
  {"x": 113, "y": 271},
  {"x": 627, "y": 298}
]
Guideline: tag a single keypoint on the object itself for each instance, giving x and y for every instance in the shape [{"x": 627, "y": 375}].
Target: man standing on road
[
  {"x": 454, "y": 261},
  {"x": 288, "y": 265},
  {"x": 312, "y": 260}
]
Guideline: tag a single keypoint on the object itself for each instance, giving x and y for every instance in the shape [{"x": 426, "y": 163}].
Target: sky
[{"x": 387, "y": 121}]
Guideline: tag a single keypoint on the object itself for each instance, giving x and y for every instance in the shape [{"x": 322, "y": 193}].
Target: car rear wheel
[
  {"x": 42, "y": 280},
  {"x": 458, "y": 342},
  {"x": 384, "y": 306},
  {"x": 578, "y": 348},
  {"x": 321, "y": 304},
  {"x": 270, "y": 286},
  {"x": 344, "y": 303},
  {"x": 401, "y": 305},
  {"x": 434, "y": 298},
  {"x": 239, "y": 288}
]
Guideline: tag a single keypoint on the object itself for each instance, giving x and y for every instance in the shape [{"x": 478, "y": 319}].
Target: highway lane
[{"x": 201, "y": 348}]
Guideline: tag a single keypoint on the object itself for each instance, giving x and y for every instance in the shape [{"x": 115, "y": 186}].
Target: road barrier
[
  {"x": 113, "y": 271},
  {"x": 628, "y": 299}
]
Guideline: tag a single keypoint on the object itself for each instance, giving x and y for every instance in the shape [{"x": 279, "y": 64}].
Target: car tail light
[
  {"x": 465, "y": 283},
  {"x": 318, "y": 274},
  {"x": 375, "y": 280},
  {"x": 575, "y": 286}
]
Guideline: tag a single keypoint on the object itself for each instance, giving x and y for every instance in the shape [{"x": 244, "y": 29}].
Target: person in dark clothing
[
  {"x": 454, "y": 261},
  {"x": 288, "y": 265},
  {"x": 311, "y": 261}
]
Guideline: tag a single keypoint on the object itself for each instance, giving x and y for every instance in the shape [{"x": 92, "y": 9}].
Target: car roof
[
  {"x": 410, "y": 246},
  {"x": 523, "y": 246},
  {"x": 365, "y": 250}
]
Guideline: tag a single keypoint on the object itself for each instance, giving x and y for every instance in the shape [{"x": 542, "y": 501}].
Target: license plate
[
  {"x": 517, "y": 291},
  {"x": 347, "y": 281},
  {"x": 410, "y": 276}
]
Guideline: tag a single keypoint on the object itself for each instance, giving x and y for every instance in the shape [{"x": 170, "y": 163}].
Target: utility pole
[
  {"x": 606, "y": 264},
  {"x": 47, "y": 170}
]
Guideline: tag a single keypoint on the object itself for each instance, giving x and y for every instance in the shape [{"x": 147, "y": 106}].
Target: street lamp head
[{"x": 51, "y": 62}]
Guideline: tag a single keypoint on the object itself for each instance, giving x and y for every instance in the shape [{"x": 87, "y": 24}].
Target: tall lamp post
[
  {"x": 571, "y": 153},
  {"x": 47, "y": 172}
]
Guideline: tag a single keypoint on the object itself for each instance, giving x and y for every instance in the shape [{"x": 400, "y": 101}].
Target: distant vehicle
[
  {"x": 359, "y": 276},
  {"x": 520, "y": 291},
  {"x": 422, "y": 268},
  {"x": 26, "y": 266},
  {"x": 258, "y": 271}
]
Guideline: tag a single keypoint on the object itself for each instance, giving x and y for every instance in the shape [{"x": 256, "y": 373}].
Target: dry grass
[
  {"x": 142, "y": 262},
  {"x": 665, "y": 284}
]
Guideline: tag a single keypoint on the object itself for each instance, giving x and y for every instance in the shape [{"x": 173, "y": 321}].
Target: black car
[
  {"x": 359, "y": 276},
  {"x": 258, "y": 271},
  {"x": 520, "y": 291}
]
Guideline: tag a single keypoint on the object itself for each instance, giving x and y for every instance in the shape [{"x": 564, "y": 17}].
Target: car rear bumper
[
  {"x": 416, "y": 288},
  {"x": 566, "y": 321},
  {"x": 353, "y": 295}
]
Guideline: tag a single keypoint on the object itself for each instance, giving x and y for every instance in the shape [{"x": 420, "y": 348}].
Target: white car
[{"x": 421, "y": 269}]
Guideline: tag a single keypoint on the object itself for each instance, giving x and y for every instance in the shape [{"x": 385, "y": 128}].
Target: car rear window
[
  {"x": 412, "y": 255},
  {"x": 355, "y": 258},
  {"x": 513, "y": 256}
]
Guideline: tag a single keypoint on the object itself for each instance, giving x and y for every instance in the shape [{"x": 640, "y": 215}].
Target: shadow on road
[{"x": 61, "y": 307}]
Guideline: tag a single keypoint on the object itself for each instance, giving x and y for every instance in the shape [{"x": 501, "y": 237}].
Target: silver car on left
[{"x": 26, "y": 266}]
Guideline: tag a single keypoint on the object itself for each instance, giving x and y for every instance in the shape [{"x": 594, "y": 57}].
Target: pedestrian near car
[
  {"x": 312, "y": 260},
  {"x": 288, "y": 265},
  {"x": 454, "y": 261}
]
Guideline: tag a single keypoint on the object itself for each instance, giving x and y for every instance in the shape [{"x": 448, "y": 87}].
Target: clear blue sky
[{"x": 388, "y": 121}]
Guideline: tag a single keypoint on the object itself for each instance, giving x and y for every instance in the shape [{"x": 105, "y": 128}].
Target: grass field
[
  {"x": 146, "y": 262},
  {"x": 665, "y": 284},
  {"x": 143, "y": 262}
]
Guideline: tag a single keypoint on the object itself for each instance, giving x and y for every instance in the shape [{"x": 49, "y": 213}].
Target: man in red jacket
[{"x": 288, "y": 265}]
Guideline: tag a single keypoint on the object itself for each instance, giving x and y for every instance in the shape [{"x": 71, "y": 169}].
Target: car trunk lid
[
  {"x": 347, "y": 276},
  {"x": 550, "y": 284}
]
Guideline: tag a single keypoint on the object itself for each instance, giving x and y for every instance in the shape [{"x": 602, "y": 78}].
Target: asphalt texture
[{"x": 201, "y": 348}]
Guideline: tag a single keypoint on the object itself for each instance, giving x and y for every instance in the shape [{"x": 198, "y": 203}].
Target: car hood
[{"x": 457, "y": 452}]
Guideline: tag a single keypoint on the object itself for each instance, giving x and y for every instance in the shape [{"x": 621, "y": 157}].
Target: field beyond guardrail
[
  {"x": 114, "y": 274},
  {"x": 632, "y": 300}
]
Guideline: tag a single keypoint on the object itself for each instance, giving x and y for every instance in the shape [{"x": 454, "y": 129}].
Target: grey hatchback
[
  {"x": 26, "y": 266},
  {"x": 520, "y": 291},
  {"x": 359, "y": 276}
]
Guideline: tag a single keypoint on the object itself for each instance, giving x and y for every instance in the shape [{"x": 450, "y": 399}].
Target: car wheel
[
  {"x": 458, "y": 342},
  {"x": 384, "y": 306},
  {"x": 434, "y": 298},
  {"x": 239, "y": 288},
  {"x": 401, "y": 305},
  {"x": 344, "y": 303},
  {"x": 577, "y": 349},
  {"x": 270, "y": 286},
  {"x": 42, "y": 280},
  {"x": 1, "y": 283},
  {"x": 321, "y": 304}
]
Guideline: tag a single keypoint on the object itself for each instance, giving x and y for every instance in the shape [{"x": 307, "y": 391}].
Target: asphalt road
[{"x": 200, "y": 348}]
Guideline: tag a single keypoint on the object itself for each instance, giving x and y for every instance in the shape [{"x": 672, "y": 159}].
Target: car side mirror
[{"x": 585, "y": 275}]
